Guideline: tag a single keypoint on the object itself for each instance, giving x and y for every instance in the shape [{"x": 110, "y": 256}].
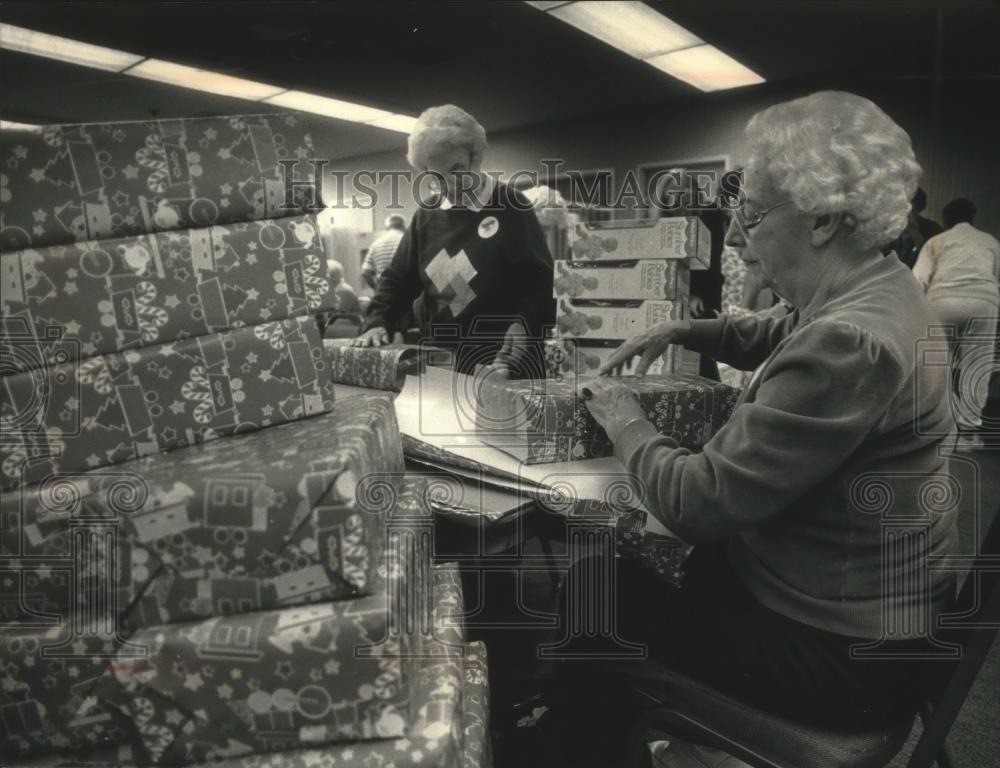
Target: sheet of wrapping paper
[
  {"x": 551, "y": 423},
  {"x": 109, "y": 409},
  {"x": 291, "y": 514},
  {"x": 68, "y": 302},
  {"x": 477, "y": 750},
  {"x": 76, "y": 183}
]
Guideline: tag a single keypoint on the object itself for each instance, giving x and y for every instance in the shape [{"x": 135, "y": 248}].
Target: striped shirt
[{"x": 382, "y": 249}]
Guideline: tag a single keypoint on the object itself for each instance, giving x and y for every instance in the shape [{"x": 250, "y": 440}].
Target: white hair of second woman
[
  {"x": 836, "y": 152},
  {"x": 441, "y": 128}
]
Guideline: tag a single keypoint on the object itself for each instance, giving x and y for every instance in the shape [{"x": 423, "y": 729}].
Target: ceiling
[{"x": 507, "y": 63}]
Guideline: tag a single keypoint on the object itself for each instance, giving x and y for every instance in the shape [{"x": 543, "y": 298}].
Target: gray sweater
[{"x": 832, "y": 450}]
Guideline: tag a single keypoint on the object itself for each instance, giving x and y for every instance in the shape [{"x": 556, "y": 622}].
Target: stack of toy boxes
[
  {"x": 188, "y": 564},
  {"x": 622, "y": 278}
]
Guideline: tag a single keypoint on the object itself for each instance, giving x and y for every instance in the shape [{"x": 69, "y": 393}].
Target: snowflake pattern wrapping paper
[
  {"x": 70, "y": 183},
  {"x": 547, "y": 421},
  {"x": 109, "y": 409},
  {"x": 289, "y": 515},
  {"x": 69, "y": 302},
  {"x": 477, "y": 750}
]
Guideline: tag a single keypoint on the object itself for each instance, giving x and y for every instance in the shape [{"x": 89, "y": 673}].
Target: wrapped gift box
[
  {"x": 659, "y": 279},
  {"x": 71, "y": 183},
  {"x": 289, "y": 515},
  {"x": 109, "y": 409},
  {"x": 67, "y": 302},
  {"x": 682, "y": 238},
  {"x": 549, "y": 422},
  {"x": 615, "y": 322},
  {"x": 477, "y": 750},
  {"x": 662, "y": 555},
  {"x": 584, "y": 357}
]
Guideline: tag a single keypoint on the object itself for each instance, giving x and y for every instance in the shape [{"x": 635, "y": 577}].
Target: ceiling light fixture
[
  {"x": 13, "y": 38},
  {"x": 8, "y": 125},
  {"x": 645, "y": 34},
  {"x": 22, "y": 40}
]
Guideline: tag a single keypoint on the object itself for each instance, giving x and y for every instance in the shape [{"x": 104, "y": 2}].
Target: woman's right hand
[
  {"x": 648, "y": 345},
  {"x": 373, "y": 337}
]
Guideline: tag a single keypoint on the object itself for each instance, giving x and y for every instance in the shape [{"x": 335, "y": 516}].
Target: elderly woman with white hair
[
  {"x": 476, "y": 258},
  {"x": 835, "y": 440}
]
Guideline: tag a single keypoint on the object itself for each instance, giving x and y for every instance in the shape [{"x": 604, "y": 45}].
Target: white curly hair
[
  {"x": 836, "y": 152},
  {"x": 444, "y": 127}
]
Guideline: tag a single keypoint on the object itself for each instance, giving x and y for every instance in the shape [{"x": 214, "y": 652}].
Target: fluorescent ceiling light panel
[
  {"x": 323, "y": 105},
  {"x": 7, "y": 125},
  {"x": 23, "y": 40},
  {"x": 632, "y": 27},
  {"x": 399, "y": 123},
  {"x": 706, "y": 68},
  {"x": 203, "y": 80},
  {"x": 544, "y": 5}
]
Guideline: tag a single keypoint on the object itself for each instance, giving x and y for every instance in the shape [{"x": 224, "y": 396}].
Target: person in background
[
  {"x": 960, "y": 271},
  {"x": 382, "y": 249},
  {"x": 919, "y": 230},
  {"x": 789, "y": 572},
  {"x": 474, "y": 254}
]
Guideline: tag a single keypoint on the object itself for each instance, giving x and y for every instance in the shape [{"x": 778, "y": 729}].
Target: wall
[{"x": 955, "y": 146}]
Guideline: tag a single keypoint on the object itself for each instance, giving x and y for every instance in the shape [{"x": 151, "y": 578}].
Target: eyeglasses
[{"x": 746, "y": 223}]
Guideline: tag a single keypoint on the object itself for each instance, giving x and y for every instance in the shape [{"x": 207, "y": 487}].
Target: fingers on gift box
[
  {"x": 548, "y": 421},
  {"x": 678, "y": 238},
  {"x": 63, "y": 303},
  {"x": 109, "y": 409},
  {"x": 634, "y": 280},
  {"x": 614, "y": 322},
  {"x": 287, "y": 515},
  {"x": 582, "y": 357},
  {"x": 72, "y": 183}
]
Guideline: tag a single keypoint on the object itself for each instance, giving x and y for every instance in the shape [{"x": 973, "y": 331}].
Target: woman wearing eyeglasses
[{"x": 835, "y": 440}]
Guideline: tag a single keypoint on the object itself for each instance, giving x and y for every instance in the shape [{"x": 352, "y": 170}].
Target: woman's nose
[{"x": 734, "y": 235}]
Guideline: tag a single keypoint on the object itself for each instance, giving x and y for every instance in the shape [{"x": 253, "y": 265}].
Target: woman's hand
[
  {"x": 649, "y": 345},
  {"x": 612, "y": 405},
  {"x": 373, "y": 337}
]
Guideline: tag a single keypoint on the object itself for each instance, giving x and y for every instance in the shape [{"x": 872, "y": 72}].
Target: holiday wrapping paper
[
  {"x": 568, "y": 357},
  {"x": 383, "y": 367},
  {"x": 664, "y": 556},
  {"x": 70, "y": 183},
  {"x": 290, "y": 515},
  {"x": 67, "y": 302},
  {"x": 614, "y": 321},
  {"x": 477, "y": 750},
  {"x": 549, "y": 421},
  {"x": 657, "y": 279},
  {"x": 109, "y": 409},
  {"x": 682, "y": 238}
]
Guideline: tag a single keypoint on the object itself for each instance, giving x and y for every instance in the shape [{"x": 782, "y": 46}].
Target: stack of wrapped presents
[
  {"x": 203, "y": 558},
  {"x": 620, "y": 279}
]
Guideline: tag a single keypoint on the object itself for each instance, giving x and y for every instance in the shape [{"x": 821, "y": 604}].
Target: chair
[{"x": 688, "y": 709}]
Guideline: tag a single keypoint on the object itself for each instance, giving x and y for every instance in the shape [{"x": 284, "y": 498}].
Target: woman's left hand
[{"x": 612, "y": 405}]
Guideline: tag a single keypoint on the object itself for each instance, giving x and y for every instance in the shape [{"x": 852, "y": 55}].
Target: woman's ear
[{"x": 825, "y": 227}]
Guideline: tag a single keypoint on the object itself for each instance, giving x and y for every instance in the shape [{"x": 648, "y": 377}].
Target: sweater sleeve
[
  {"x": 818, "y": 399},
  {"x": 926, "y": 263},
  {"x": 740, "y": 342},
  {"x": 531, "y": 273},
  {"x": 399, "y": 283}
]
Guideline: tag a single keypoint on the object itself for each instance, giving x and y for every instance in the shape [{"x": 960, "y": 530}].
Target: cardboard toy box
[
  {"x": 630, "y": 281},
  {"x": 582, "y": 357},
  {"x": 615, "y": 322},
  {"x": 683, "y": 238},
  {"x": 544, "y": 422}
]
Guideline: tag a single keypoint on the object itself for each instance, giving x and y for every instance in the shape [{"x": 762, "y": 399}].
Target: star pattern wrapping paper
[
  {"x": 290, "y": 515},
  {"x": 264, "y": 690},
  {"x": 68, "y": 302},
  {"x": 112, "y": 408},
  {"x": 544, "y": 422},
  {"x": 71, "y": 183}
]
